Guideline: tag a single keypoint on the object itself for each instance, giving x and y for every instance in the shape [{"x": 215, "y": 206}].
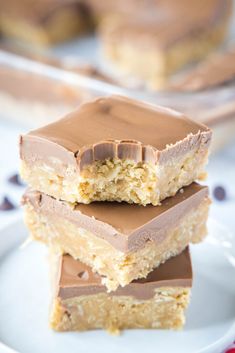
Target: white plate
[{"x": 25, "y": 297}]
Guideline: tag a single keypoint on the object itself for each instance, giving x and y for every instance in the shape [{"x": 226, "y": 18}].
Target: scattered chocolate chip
[
  {"x": 83, "y": 275},
  {"x": 67, "y": 313},
  {"x": 15, "y": 179},
  {"x": 219, "y": 193},
  {"x": 6, "y": 205}
]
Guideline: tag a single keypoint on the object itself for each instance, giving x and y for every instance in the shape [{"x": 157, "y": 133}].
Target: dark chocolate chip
[
  {"x": 6, "y": 205},
  {"x": 219, "y": 193},
  {"x": 16, "y": 180},
  {"x": 67, "y": 313},
  {"x": 83, "y": 275}
]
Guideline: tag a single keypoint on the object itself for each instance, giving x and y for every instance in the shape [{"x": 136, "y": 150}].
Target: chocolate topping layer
[
  {"x": 127, "y": 227},
  {"x": 115, "y": 127},
  {"x": 76, "y": 279}
]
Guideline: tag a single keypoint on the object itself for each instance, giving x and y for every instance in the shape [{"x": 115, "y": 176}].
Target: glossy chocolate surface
[{"x": 115, "y": 127}]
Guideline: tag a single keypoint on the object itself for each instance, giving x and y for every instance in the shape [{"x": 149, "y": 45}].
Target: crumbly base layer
[
  {"x": 116, "y": 179},
  {"x": 154, "y": 66},
  {"x": 118, "y": 268},
  {"x": 113, "y": 313}
]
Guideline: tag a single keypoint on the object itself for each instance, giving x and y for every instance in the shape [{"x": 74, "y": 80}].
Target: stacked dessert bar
[{"x": 113, "y": 195}]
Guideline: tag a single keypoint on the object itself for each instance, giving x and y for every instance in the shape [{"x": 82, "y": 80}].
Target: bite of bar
[{"x": 115, "y": 149}]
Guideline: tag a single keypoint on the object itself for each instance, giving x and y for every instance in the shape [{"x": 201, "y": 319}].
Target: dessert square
[
  {"x": 115, "y": 149},
  {"x": 121, "y": 242},
  {"x": 80, "y": 301},
  {"x": 154, "y": 43}
]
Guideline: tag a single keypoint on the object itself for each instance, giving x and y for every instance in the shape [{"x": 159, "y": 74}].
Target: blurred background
[{"x": 57, "y": 54}]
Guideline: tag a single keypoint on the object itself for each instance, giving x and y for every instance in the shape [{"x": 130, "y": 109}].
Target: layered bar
[
  {"x": 121, "y": 242},
  {"x": 115, "y": 149},
  {"x": 154, "y": 44},
  {"x": 159, "y": 301}
]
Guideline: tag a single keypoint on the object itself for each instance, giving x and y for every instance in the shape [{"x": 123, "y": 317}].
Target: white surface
[{"x": 24, "y": 302}]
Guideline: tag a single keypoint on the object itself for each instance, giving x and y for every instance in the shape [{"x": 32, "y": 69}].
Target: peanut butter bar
[
  {"x": 119, "y": 241},
  {"x": 159, "y": 301},
  {"x": 155, "y": 43},
  {"x": 115, "y": 149}
]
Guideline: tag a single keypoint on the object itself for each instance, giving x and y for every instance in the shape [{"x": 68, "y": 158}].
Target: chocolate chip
[
  {"x": 16, "y": 180},
  {"x": 67, "y": 313},
  {"x": 6, "y": 205},
  {"x": 83, "y": 275},
  {"x": 219, "y": 193}
]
